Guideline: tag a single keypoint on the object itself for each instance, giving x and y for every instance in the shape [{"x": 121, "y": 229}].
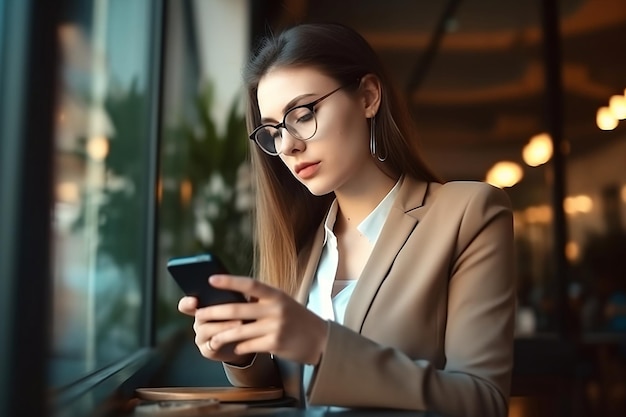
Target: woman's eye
[
  {"x": 299, "y": 115},
  {"x": 307, "y": 117}
]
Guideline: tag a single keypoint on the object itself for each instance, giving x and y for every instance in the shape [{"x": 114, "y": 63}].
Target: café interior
[{"x": 114, "y": 117}]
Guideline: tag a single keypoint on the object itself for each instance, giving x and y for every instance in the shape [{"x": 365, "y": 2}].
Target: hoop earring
[{"x": 373, "y": 144}]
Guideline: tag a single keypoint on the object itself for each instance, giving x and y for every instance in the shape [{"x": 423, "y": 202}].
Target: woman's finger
[
  {"x": 205, "y": 333},
  {"x": 243, "y": 332},
  {"x": 207, "y": 330},
  {"x": 248, "y": 286},
  {"x": 188, "y": 305},
  {"x": 234, "y": 311}
]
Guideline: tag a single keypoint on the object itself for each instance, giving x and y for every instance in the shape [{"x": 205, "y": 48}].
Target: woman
[{"x": 393, "y": 290}]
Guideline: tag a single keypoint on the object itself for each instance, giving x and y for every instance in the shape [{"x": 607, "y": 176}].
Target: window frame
[{"x": 27, "y": 74}]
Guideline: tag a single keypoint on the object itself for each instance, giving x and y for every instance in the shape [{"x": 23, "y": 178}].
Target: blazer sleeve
[
  {"x": 478, "y": 346},
  {"x": 261, "y": 372}
]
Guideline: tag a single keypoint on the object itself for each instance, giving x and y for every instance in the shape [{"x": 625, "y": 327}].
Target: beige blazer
[{"x": 430, "y": 323}]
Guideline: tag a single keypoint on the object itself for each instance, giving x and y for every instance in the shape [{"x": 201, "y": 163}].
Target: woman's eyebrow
[
  {"x": 292, "y": 103},
  {"x": 295, "y": 100}
]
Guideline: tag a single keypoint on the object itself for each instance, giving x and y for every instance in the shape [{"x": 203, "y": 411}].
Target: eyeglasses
[{"x": 299, "y": 121}]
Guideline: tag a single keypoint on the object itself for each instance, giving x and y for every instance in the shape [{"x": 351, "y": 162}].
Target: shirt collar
[{"x": 371, "y": 226}]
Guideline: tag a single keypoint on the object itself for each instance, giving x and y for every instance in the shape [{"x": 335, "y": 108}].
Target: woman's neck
[{"x": 357, "y": 201}]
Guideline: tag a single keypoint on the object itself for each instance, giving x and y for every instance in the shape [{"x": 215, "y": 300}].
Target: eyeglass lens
[{"x": 300, "y": 122}]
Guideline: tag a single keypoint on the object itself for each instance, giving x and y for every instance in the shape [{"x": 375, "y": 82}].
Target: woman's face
[{"x": 338, "y": 155}]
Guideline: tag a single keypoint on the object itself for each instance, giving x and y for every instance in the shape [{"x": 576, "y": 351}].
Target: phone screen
[{"x": 192, "y": 275}]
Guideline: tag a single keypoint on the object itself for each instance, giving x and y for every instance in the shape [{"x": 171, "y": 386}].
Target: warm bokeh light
[
  {"x": 572, "y": 251},
  {"x": 538, "y": 151},
  {"x": 538, "y": 214},
  {"x": 67, "y": 192},
  {"x": 98, "y": 148},
  {"x": 186, "y": 189},
  {"x": 623, "y": 192},
  {"x": 605, "y": 119},
  {"x": 504, "y": 174},
  {"x": 578, "y": 204},
  {"x": 617, "y": 104}
]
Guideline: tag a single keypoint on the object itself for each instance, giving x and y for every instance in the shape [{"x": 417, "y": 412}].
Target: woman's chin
[{"x": 318, "y": 190}]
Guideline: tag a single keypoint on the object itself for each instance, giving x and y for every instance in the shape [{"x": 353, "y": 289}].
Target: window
[{"x": 102, "y": 186}]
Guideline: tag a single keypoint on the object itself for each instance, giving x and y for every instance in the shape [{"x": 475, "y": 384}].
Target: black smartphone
[{"x": 192, "y": 273}]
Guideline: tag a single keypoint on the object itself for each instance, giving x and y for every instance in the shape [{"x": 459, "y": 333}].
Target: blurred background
[{"x": 123, "y": 121}]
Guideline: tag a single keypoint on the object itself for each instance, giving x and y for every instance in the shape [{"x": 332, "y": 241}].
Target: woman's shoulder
[
  {"x": 418, "y": 196},
  {"x": 471, "y": 187},
  {"x": 464, "y": 208},
  {"x": 471, "y": 192}
]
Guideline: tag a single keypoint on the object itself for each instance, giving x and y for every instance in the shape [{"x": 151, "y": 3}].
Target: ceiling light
[
  {"x": 617, "y": 104},
  {"x": 578, "y": 204},
  {"x": 98, "y": 148},
  {"x": 538, "y": 151},
  {"x": 605, "y": 119},
  {"x": 504, "y": 174}
]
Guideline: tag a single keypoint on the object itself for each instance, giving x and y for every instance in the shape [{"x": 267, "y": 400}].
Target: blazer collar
[{"x": 407, "y": 211}]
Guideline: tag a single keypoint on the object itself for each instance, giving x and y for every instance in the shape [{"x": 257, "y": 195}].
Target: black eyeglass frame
[{"x": 282, "y": 125}]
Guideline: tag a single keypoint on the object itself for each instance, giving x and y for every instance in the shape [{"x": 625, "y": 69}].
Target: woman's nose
[{"x": 290, "y": 144}]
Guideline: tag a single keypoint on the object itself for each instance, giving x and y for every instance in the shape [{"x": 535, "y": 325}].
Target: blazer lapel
[
  {"x": 406, "y": 212},
  {"x": 404, "y": 215}
]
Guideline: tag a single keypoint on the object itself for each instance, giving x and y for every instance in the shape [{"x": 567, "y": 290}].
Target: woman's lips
[{"x": 307, "y": 170}]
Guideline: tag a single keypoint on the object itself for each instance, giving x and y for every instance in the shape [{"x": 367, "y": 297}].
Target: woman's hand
[
  {"x": 204, "y": 332},
  {"x": 274, "y": 322}
]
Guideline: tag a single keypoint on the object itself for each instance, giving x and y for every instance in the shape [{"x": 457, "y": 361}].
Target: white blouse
[{"x": 320, "y": 299}]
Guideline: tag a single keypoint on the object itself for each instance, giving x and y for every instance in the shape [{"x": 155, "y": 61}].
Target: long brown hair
[{"x": 287, "y": 214}]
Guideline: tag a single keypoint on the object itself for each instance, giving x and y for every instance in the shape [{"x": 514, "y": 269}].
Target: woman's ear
[{"x": 371, "y": 92}]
